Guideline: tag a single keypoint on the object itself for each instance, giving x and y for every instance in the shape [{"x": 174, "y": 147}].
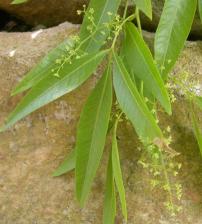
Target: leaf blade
[
  {"x": 140, "y": 61},
  {"x": 43, "y": 68},
  {"x": 52, "y": 87},
  {"x": 15, "y": 2},
  {"x": 197, "y": 131},
  {"x": 145, "y": 6},
  {"x": 90, "y": 142},
  {"x": 109, "y": 211},
  {"x": 172, "y": 32},
  {"x": 132, "y": 103},
  {"x": 117, "y": 172},
  {"x": 67, "y": 165},
  {"x": 200, "y": 8},
  {"x": 101, "y": 7},
  {"x": 69, "y": 162}
]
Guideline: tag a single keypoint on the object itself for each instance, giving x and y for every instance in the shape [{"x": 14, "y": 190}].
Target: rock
[
  {"x": 53, "y": 12},
  {"x": 45, "y": 12},
  {"x": 35, "y": 146}
]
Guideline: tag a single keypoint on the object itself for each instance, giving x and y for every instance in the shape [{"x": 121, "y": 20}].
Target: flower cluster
[
  {"x": 108, "y": 32},
  {"x": 158, "y": 159},
  {"x": 185, "y": 84}
]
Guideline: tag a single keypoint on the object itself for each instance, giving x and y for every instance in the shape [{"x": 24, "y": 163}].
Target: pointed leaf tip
[
  {"x": 118, "y": 173},
  {"x": 50, "y": 88},
  {"x": 145, "y": 6},
  {"x": 43, "y": 68},
  {"x": 109, "y": 211},
  {"x": 67, "y": 165},
  {"x": 15, "y": 2}
]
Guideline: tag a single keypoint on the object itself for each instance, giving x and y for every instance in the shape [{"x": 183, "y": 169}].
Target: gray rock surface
[{"x": 35, "y": 146}]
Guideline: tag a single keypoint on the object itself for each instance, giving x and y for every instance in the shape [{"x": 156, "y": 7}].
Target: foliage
[
  {"x": 145, "y": 6},
  {"x": 117, "y": 170},
  {"x": 109, "y": 212},
  {"x": 90, "y": 141},
  {"x": 140, "y": 82},
  {"x": 18, "y": 2},
  {"x": 200, "y": 8},
  {"x": 173, "y": 30},
  {"x": 197, "y": 130}
]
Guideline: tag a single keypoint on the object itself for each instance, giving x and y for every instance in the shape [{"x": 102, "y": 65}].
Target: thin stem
[
  {"x": 138, "y": 20},
  {"x": 131, "y": 17},
  {"x": 125, "y": 10},
  {"x": 167, "y": 181},
  {"x": 78, "y": 48},
  {"x": 142, "y": 88},
  {"x": 116, "y": 120}
]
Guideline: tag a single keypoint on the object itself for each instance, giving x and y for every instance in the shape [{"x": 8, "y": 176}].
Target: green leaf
[
  {"x": 109, "y": 212},
  {"x": 70, "y": 161},
  {"x": 200, "y": 8},
  {"x": 172, "y": 32},
  {"x": 90, "y": 45},
  {"x": 140, "y": 61},
  {"x": 132, "y": 103},
  {"x": 198, "y": 101},
  {"x": 91, "y": 134},
  {"x": 43, "y": 68},
  {"x": 197, "y": 131},
  {"x": 51, "y": 87},
  {"x": 67, "y": 165},
  {"x": 101, "y": 9},
  {"x": 145, "y": 6},
  {"x": 117, "y": 172},
  {"x": 18, "y": 1}
]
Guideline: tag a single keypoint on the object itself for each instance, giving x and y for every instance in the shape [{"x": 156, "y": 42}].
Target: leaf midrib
[
  {"x": 70, "y": 74},
  {"x": 119, "y": 182},
  {"x": 171, "y": 31},
  {"x": 147, "y": 64},
  {"x": 95, "y": 129},
  {"x": 99, "y": 21},
  {"x": 131, "y": 92},
  {"x": 31, "y": 77},
  {"x": 61, "y": 80}
]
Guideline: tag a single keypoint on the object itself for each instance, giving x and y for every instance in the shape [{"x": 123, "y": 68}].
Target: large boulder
[
  {"x": 45, "y": 12},
  {"x": 53, "y": 12},
  {"x": 35, "y": 146}
]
